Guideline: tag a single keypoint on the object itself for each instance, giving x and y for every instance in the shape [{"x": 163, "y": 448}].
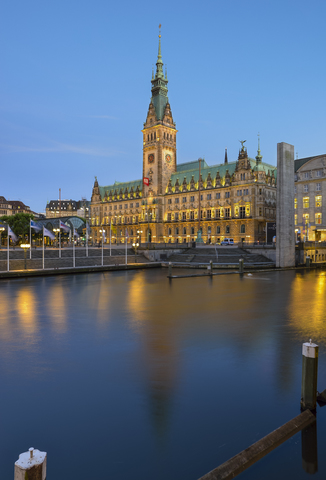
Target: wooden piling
[
  {"x": 31, "y": 465},
  {"x": 309, "y": 375}
]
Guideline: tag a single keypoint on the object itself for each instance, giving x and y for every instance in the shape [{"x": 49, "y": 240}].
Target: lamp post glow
[
  {"x": 25, "y": 246},
  {"x": 135, "y": 245}
]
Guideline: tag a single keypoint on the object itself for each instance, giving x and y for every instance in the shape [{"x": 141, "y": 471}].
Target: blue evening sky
[{"x": 75, "y": 86}]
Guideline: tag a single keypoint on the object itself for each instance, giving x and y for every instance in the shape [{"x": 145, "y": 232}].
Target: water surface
[{"x": 129, "y": 375}]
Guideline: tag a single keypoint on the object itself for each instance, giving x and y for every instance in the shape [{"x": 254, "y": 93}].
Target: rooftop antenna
[{"x": 297, "y": 155}]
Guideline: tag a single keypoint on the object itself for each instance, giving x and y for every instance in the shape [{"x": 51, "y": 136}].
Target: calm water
[{"x": 127, "y": 375}]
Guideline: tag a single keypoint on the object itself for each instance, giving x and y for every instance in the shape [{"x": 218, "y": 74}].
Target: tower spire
[
  {"x": 259, "y": 157},
  {"x": 226, "y": 156},
  {"x": 159, "y": 63},
  {"x": 159, "y": 84}
]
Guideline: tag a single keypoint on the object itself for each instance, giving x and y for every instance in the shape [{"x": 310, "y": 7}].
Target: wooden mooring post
[
  {"x": 241, "y": 267},
  {"x": 309, "y": 375},
  {"x": 170, "y": 270},
  {"x": 31, "y": 465}
]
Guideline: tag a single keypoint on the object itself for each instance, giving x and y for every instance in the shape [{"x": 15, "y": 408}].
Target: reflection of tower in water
[{"x": 159, "y": 355}]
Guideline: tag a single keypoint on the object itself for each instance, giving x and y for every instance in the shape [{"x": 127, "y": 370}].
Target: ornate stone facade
[{"x": 235, "y": 199}]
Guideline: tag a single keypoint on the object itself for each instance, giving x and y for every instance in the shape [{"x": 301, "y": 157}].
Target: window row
[
  {"x": 209, "y": 196},
  {"x": 306, "y": 202},
  {"x": 306, "y": 219},
  {"x": 210, "y": 230}
]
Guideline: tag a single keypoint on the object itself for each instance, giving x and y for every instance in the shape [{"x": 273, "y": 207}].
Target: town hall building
[{"x": 173, "y": 202}]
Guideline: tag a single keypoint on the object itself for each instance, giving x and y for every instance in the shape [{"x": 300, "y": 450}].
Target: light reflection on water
[{"x": 163, "y": 379}]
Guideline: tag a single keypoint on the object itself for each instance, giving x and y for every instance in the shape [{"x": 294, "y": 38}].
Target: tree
[{"x": 19, "y": 223}]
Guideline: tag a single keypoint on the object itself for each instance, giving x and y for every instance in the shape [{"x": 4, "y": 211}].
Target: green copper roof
[
  {"x": 301, "y": 161},
  {"x": 159, "y": 86},
  {"x": 121, "y": 185},
  {"x": 191, "y": 169}
]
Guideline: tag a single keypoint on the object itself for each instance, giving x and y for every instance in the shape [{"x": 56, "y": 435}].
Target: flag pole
[
  {"x": 86, "y": 239},
  {"x": 102, "y": 244},
  {"x": 43, "y": 250},
  {"x": 59, "y": 242},
  {"x": 30, "y": 238},
  {"x": 73, "y": 247},
  {"x": 110, "y": 234},
  {"x": 8, "y": 249},
  {"x": 126, "y": 251}
]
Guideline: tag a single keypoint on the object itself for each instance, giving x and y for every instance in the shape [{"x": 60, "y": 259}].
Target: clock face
[
  {"x": 168, "y": 158},
  {"x": 151, "y": 158}
]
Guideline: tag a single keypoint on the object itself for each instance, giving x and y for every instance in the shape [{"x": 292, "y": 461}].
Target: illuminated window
[
  {"x": 305, "y": 202},
  {"x": 305, "y": 188},
  {"x": 318, "y": 200},
  {"x": 192, "y": 215},
  {"x": 318, "y": 218},
  {"x": 295, "y": 203},
  {"x": 295, "y": 219},
  {"x": 248, "y": 210},
  {"x": 169, "y": 217},
  {"x": 306, "y": 218}
]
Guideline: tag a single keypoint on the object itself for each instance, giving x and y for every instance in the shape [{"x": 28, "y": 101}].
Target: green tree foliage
[{"x": 19, "y": 223}]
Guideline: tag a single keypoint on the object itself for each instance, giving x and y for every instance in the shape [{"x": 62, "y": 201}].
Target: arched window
[
  {"x": 154, "y": 135},
  {"x": 227, "y": 229},
  {"x": 171, "y": 138},
  {"x": 169, "y": 231},
  {"x": 151, "y": 136},
  {"x": 131, "y": 232},
  {"x": 148, "y": 137},
  {"x": 177, "y": 230},
  {"x": 218, "y": 229},
  {"x": 164, "y": 135},
  {"x": 243, "y": 229},
  {"x": 192, "y": 231},
  {"x": 184, "y": 230}
]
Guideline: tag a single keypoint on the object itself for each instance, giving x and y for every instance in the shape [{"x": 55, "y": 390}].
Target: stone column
[{"x": 285, "y": 237}]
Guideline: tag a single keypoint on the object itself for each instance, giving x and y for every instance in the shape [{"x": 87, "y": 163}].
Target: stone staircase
[{"x": 225, "y": 256}]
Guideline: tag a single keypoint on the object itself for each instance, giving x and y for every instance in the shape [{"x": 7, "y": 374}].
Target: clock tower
[{"x": 159, "y": 138}]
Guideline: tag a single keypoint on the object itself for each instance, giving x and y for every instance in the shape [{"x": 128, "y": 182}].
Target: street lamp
[
  {"x": 135, "y": 245},
  {"x": 2, "y": 229},
  {"x": 25, "y": 246}
]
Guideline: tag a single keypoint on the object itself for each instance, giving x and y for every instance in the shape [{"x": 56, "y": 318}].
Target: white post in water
[
  {"x": 309, "y": 375},
  {"x": 31, "y": 465}
]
